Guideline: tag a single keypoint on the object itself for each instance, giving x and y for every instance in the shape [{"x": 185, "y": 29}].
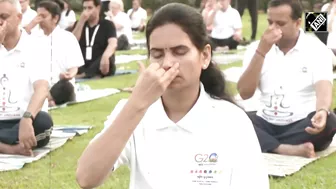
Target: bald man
[{"x": 24, "y": 86}]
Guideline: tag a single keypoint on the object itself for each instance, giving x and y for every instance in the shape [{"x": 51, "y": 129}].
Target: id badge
[{"x": 88, "y": 54}]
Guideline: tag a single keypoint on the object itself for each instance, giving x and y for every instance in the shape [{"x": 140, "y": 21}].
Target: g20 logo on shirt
[{"x": 199, "y": 158}]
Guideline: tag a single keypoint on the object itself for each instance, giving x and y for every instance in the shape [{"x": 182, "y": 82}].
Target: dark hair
[
  {"x": 62, "y": 92},
  {"x": 191, "y": 22},
  {"x": 60, "y": 4},
  {"x": 52, "y": 7},
  {"x": 95, "y": 2},
  {"x": 294, "y": 4}
]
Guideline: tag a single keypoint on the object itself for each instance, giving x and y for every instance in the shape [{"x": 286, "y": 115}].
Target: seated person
[
  {"x": 97, "y": 40},
  {"x": 122, "y": 23},
  {"x": 296, "y": 90},
  {"x": 28, "y": 14},
  {"x": 138, "y": 16},
  {"x": 62, "y": 47},
  {"x": 68, "y": 16},
  {"x": 227, "y": 26},
  {"x": 178, "y": 100},
  {"x": 24, "y": 86}
]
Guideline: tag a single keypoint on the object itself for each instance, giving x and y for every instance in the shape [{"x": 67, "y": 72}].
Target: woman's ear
[{"x": 206, "y": 56}]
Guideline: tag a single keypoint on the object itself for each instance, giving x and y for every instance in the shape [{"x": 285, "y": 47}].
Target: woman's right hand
[{"x": 151, "y": 84}]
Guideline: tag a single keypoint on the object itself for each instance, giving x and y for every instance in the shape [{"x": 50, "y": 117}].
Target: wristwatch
[
  {"x": 323, "y": 109},
  {"x": 28, "y": 115}
]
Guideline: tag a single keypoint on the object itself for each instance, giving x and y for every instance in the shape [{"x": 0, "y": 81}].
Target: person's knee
[
  {"x": 43, "y": 121},
  {"x": 43, "y": 124}
]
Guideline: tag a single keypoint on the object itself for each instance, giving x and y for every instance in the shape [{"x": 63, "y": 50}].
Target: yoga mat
[
  {"x": 89, "y": 95},
  {"x": 123, "y": 59},
  {"x": 228, "y": 58},
  {"x": 334, "y": 76},
  {"x": 118, "y": 72},
  {"x": 282, "y": 165},
  {"x": 233, "y": 74},
  {"x": 59, "y": 136}
]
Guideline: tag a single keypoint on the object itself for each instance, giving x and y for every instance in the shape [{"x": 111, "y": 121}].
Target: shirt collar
[{"x": 187, "y": 122}]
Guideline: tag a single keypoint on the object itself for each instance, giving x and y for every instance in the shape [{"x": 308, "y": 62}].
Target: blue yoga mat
[{"x": 118, "y": 72}]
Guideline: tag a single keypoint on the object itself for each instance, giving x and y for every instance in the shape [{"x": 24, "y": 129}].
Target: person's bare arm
[
  {"x": 96, "y": 162},
  {"x": 77, "y": 31},
  {"x": 41, "y": 91},
  {"x": 111, "y": 48},
  {"x": 33, "y": 24},
  {"x": 323, "y": 95},
  {"x": 72, "y": 72},
  {"x": 209, "y": 20},
  {"x": 249, "y": 80}
]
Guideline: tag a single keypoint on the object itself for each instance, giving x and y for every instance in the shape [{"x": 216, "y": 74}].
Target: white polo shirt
[
  {"x": 28, "y": 16},
  {"x": 137, "y": 17},
  {"x": 205, "y": 150},
  {"x": 287, "y": 81},
  {"x": 67, "y": 20},
  {"x": 63, "y": 51},
  {"x": 122, "y": 19},
  {"x": 226, "y": 23},
  {"x": 19, "y": 69}
]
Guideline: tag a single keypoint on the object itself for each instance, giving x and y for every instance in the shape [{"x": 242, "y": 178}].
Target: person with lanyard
[
  {"x": 24, "y": 122},
  {"x": 294, "y": 117},
  {"x": 177, "y": 128},
  {"x": 65, "y": 53},
  {"x": 98, "y": 41}
]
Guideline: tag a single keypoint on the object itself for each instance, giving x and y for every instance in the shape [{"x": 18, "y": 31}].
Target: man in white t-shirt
[
  {"x": 293, "y": 72},
  {"x": 63, "y": 51},
  {"x": 122, "y": 23},
  {"x": 24, "y": 86},
  {"x": 226, "y": 26},
  {"x": 138, "y": 16},
  {"x": 28, "y": 14}
]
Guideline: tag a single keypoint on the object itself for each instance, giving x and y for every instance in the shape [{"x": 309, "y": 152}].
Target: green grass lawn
[{"x": 57, "y": 170}]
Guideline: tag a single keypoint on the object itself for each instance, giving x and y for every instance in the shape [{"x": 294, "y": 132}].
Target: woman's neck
[{"x": 178, "y": 103}]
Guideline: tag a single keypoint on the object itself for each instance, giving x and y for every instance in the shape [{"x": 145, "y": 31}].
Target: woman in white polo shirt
[
  {"x": 179, "y": 128},
  {"x": 226, "y": 26}
]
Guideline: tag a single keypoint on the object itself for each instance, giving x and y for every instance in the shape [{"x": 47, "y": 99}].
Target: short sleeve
[
  {"x": 144, "y": 15},
  {"x": 251, "y": 169},
  {"x": 72, "y": 17},
  {"x": 323, "y": 65},
  {"x": 74, "y": 57},
  {"x": 249, "y": 53},
  {"x": 39, "y": 68},
  {"x": 237, "y": 20},
  {"x": 129, "y": 12},
  {"x": 125, "y": 156},
  {"x": 325, "y": 8},
  {"x": 110, "y": 29}
]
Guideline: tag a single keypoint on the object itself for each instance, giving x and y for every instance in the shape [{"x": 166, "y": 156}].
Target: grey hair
[
  {"x": 16, "y": 3},
  {"x": 118, "y": 2}
]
